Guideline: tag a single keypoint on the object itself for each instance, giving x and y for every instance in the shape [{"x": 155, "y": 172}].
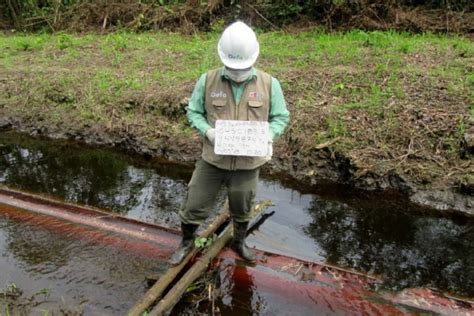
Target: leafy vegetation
[
  {"x": 11, "y": 290},
  {"x": 189, "y": 15},
  {"x": 386, "y": 100},
  {"x": 203, "y": 242}
]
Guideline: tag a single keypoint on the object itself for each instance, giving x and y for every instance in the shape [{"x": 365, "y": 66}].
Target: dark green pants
[{"x": 204, "y": 186}]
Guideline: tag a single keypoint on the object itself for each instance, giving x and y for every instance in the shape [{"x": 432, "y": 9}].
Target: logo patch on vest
[
  {"x": 256, "y": 95},
  {"x": 219, "y": 94}
]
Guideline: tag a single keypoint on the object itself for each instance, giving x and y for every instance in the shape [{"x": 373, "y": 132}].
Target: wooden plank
[
  {"x": 199, "y": 267},
  {"x": 159, "y": 287},
  {"x": 173, "y": 296}
]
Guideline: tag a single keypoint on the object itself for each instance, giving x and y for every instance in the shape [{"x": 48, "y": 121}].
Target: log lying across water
[
  {"x": 305, "y": 285},
  {"x": 198, "y": 268},
  {"x": 157, "y": 290},
  {"x": 89, "y": 216},
  {"x": 173, "y": 295}
]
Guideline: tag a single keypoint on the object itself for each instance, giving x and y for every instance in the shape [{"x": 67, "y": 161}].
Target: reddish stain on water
[{"x": 103, "y": 272}]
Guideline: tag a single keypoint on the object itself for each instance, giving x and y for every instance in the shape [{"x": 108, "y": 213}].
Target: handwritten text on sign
[{"x": 242, "y": 138}]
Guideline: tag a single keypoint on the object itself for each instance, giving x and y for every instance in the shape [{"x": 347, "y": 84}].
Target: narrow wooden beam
[
  {"x": 173, "y": 296},
  {"x": 157, "y": 290},
  {"x": 199, "y": 267}
]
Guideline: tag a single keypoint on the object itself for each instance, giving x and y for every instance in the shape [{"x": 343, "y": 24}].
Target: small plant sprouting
[
  {"x": 461, "y": 127},
  {"x": 339, "y": 86},
  {"x": 203, "y": 242},
  {"x": 12, "y": 290},
  {"x": 64, "y": 41},
  {"x": 44, "y": 291},
  {"x": 192, "y": 287}
]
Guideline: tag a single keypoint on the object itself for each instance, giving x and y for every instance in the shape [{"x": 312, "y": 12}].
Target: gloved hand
[{"x": 211, "y": 135}]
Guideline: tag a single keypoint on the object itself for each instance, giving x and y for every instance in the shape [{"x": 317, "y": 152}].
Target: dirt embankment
[
  {"x": 320, "y": 165},
  {"x": 408, "y": 128}
]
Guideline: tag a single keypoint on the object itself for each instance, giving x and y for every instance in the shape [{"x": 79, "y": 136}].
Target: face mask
[{"x": 238, "y": 75}]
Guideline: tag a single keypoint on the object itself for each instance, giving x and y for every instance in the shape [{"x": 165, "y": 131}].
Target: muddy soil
[
  {"x": 388, "y": 118},
  {"x": 321, "y": 167}
]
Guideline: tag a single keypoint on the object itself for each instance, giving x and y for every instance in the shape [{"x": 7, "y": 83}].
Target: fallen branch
[
  {"x": 327, "y": 144},
  {"x": 263, "y": 17},
  {"x": 259, "y": 221},
  {"x": 173, "y": 296},
  {"x": 157, "y": 290}
]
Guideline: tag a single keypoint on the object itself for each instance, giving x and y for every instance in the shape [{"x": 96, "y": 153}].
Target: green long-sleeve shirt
[{"x": 278, "y": 117}]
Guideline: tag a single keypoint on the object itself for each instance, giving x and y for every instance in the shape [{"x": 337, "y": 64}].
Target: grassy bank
[{"x": 364, "y": 105}]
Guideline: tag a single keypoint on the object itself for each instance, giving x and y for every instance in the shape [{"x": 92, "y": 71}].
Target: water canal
[{"x": 379, "y": 234}]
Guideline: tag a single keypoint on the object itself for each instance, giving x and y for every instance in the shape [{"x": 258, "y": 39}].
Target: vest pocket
[
  {"x": 256, "y": 111},
  {"x": 219, "y": 109}
]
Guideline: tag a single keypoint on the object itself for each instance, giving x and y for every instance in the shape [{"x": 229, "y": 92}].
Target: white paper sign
[{"x": 242, "y": 138}]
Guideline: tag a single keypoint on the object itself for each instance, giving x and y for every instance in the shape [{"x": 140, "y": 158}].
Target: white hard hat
[{"x": 238, "y": 47}]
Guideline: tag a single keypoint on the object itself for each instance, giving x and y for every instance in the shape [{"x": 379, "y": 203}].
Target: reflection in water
[
  {"x": 71, "y": 271},
  {"x": 370, "y": 234},
  {"x": 57, "y": 171},
  {"x": 91, "y": 176},
  {"x": 259, "y": 290},
  {"x": 238, "y": 293},
  {"x": 408, "y": 249},
  {"x": 33, "y": 248}
]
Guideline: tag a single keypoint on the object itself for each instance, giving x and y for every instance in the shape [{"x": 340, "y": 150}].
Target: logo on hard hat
[{"x": 231, "y": 56}]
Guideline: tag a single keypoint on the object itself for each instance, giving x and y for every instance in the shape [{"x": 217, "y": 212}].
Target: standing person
[{"x": 237, "y": 91}]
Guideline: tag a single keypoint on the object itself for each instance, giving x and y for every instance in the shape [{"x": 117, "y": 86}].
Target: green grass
[
  {"x": 357, "y": 71},
  {"x": 280, "y": 51}
]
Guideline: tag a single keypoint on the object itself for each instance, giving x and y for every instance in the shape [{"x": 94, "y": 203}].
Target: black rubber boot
[
  {"x": 238, "y": 243},
  {"x": 187, "y": 243}
]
